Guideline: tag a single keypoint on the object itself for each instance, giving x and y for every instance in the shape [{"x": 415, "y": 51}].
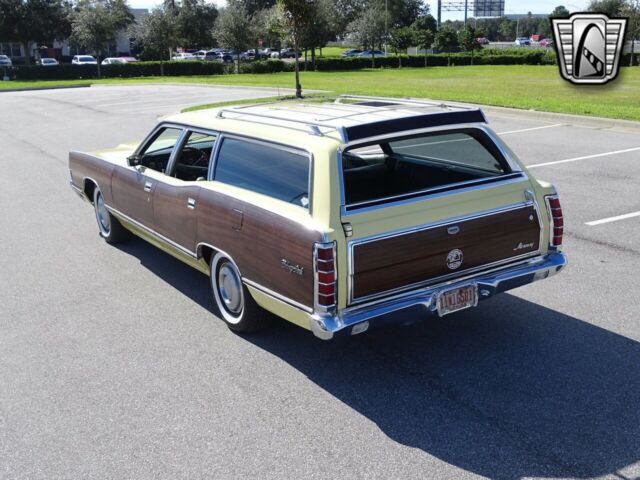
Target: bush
[
  {"x": 266, "y": 66},
  {"x": 126, "y": 70}
]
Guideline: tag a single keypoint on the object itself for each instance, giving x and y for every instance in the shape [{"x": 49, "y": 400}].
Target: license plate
[{"x": 457, "y": 299}]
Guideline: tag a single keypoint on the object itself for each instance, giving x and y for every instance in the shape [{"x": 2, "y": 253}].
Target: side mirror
[{"x": 133, "y": 160}]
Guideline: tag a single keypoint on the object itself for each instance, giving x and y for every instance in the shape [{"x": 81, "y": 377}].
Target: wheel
[
  {"x": 109, "y": 227},
  {"x": 239, "y": 310}
]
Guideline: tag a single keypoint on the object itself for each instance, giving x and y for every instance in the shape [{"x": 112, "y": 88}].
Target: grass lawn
[{"x": 518, "y": 86}]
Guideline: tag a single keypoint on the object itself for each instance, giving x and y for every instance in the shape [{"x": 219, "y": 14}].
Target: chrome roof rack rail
[
  {"x": 401, "y": 101},
  {"x": 313, "y": 128}
]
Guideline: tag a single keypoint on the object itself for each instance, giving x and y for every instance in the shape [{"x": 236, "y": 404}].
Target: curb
[
  {"x": 577, "y": 120},
  {"x": 32, "y": 89},
  {"x": 570, "y": 119}
]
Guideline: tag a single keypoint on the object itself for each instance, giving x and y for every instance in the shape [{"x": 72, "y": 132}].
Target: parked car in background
[
  {"x": 522, "y": 42},
  {"x": 370, "y": 53},
  {"x": 5, "y": 61},
  {"x": 351, "y": 53},
  {"x": 184, "y": 56},
  {"x": 288, "y": 53},
  {"x": 113, "y": 61},
  {"x": 356, "y": 221},
  {"x": 83, "y": 60},
  {"x": 545, "y": 42},
  {"x": 47, "y": 62},
  {"x": 266, "y": 52},
  {"x": 234, "y": 55},
  {"x": 200, "y": 54},
  {"x": 483, "y": 40}
]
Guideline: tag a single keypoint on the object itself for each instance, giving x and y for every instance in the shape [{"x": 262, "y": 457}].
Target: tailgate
[{"x": 397, "y": 261}]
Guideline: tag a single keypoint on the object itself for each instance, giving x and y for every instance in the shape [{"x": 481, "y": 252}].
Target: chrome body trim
[
  {"x": 397, "y": 310},
  {"x": 419, "y": 228},
  {"x": 277, "y": 296}
]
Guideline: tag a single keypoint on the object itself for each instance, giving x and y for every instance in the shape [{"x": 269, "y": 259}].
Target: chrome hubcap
[
  {"x": 230, "y": 288},
  {"x": 103, "y": 215}
]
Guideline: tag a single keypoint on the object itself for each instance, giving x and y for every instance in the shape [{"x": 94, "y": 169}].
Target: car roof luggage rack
[
  {"x": 313, "y": 128},
  {"x": 452, "y": 115}
]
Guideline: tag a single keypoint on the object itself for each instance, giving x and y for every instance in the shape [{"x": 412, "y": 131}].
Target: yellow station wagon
[{"x": 337, "y": 216}]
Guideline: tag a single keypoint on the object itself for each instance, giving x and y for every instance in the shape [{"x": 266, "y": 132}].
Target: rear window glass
[
  {"x": 272, "y": 171},
  {"x": 405, "y": 166}
]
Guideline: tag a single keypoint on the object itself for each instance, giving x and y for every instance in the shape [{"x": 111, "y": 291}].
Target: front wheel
[
  {"x": 237, "y": 307},
  {"x": 109, "y": 227}
]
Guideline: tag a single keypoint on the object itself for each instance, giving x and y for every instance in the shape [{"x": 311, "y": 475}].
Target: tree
[
  {"x": 28, "y": 21},
  {"x": 400, "y": 39},
  {"x": 234, "y": 29},
  {"x": 426, "y": 22},
  {"x": 612, "y": 8},
  {"x": 447, "y": 39},
  {"x": 95, "y": 24},
  {"x": 253, "y": 7},
  {"x": 297, "y": 15},
  {"x": 467, "y": 40},
  {"x": 368, "y": 30},
  {"x": 632, "y": 11},
  {"x": 158, "y": 35},
  {"x": 319, "y": 29},
  {"x": 507, "y": 29},
  {"x": 194, "y": 21},
  {"x": 424, "y": 40},
  {"x": 560, "y": 12}
]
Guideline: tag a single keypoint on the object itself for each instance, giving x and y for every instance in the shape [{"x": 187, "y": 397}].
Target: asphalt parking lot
[{"x": 113, "y": 366}]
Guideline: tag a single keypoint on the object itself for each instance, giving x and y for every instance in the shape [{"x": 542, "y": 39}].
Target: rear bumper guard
[{"x": 420, "y": 303}]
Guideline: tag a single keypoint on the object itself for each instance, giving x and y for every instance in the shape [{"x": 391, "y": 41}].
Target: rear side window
[{"x": 272, "y": 171}]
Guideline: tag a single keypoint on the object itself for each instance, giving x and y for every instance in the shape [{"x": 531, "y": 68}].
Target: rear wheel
[
  {"x": 109, "y": 227},
  {"x": 237, "y": 307}
]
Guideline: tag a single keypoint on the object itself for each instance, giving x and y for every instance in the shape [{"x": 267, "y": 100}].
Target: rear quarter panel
[{"x": 259, "y": 238}]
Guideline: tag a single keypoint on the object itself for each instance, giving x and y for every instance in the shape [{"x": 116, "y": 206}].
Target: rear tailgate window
[{"x": 393, "y": 169}]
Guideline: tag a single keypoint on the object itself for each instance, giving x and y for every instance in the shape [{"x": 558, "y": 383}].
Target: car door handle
[
  {"x": 147, "y": 186},
  {"x": 191, "y": 203}
]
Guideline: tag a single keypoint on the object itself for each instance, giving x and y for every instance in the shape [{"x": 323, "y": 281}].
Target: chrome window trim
[
  {"x": 419, "y": 228},
  {"x": 401, "y": 199},
  {"x": 275, "y": 145},
  {"x": 277, "y": 296},
  {"x": 150, "y": 137},
  {"x": 180, "y": 144}
]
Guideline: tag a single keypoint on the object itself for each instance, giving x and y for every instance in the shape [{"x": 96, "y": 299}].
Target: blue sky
[{"x": 511, "y": 6}]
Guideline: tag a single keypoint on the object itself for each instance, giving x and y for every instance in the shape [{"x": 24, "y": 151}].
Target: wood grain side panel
[
  {"x": 399, "y": 261},
  {"x": 172, "y": 217},
  {"x": 84, "y": 165},
  {"x": 258, "y": 240}
]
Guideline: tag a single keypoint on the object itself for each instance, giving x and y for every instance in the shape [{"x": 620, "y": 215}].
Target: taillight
[
  {"x": 555, "y": 214},
  {"x": 324, "y": 256}
]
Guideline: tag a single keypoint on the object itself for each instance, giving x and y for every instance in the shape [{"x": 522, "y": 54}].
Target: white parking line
[
  {"x": 531, "y": 129},
  {"x": 613, "y": 219},
  {"x": 587, "y": 157}
]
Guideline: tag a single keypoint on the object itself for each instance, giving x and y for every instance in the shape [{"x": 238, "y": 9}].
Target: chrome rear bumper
[{"x": 417, "y": 304}]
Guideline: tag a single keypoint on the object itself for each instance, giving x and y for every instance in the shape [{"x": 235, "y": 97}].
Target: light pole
[{"x": 386, "y": 26}]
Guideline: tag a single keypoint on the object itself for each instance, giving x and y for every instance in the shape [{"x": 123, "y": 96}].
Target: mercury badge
[
  {"x": 589, "y": 46},
  {"x": 454, "y": 259}
]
